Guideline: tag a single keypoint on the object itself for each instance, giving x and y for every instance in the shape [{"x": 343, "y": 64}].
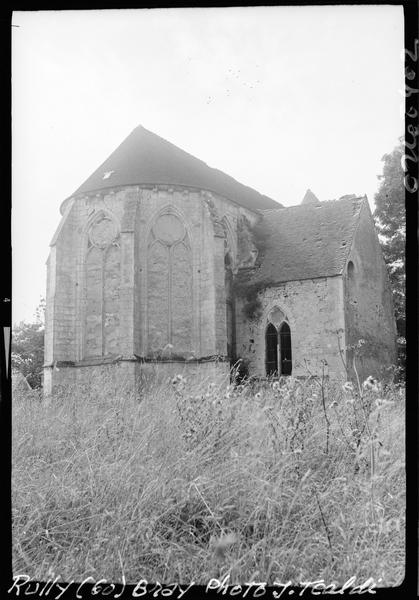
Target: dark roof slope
[
  {"x": 308, "y": 241},
  {"x": 145, "y": 158}
]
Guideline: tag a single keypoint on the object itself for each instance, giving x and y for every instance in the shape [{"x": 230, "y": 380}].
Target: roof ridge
[
  {"x": 314, "y": 206},
  {"x": 175, "y": 146}
]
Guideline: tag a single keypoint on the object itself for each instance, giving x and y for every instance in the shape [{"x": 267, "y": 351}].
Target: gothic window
[
  {"x": 158, "y": 295},
  {"x": 228, "y": 281},
  {"x": 181, "y": 297},
  {"x": 169, "y": 287},
  {"x": 278, "y": 349},
  {"x": 111, "y": 290},
  {"x": 229, "y": 292},
  {"x": 94, "y": 285},
  {"x": 102, "y": 289},
  {"x": 285, "y": 349},
  {"x": 271, "y": 340}
]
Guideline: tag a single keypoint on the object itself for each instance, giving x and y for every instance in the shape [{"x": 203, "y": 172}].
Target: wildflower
[
  {"x": 178, "y": 379},
  {"x": 222, "y": 543},
  {"x": 370, "y": 384},
  {"x": 275, "y": 385},
  {"x": 258, "y": 396},
  {"x": 348, "y": 387}
]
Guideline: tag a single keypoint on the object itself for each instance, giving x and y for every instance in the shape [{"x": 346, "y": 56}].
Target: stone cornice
[
  {"x": 160, "y": 186},
  {"x": 89, "y": 362}
]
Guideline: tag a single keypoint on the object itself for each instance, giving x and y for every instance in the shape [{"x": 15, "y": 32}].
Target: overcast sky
[{"x": 281, "y": 98}]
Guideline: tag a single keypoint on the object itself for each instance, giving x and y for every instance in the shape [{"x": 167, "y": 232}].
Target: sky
[{"x": 281, "y": 98}]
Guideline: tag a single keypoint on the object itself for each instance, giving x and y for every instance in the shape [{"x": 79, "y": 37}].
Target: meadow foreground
[{"x": 189, "y": 481}]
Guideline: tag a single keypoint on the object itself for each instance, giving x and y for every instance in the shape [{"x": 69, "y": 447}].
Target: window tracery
[
  {"x": 169, "y": 287},
  {"x": 278, "y": 348},
  {"x": 102, "y": 288},
  {"x": 229, "y": 291}
]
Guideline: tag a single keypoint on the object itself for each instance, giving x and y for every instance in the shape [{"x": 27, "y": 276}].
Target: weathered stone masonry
[
  {"x": 368, "y": 304},
  {"x": 315, "y": 315},
  {"x": 142, "y": 280},
  {"x": 143, "y": 270}
]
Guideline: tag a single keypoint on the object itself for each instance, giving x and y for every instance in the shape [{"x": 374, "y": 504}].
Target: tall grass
[{"x": 292, "y": 481}]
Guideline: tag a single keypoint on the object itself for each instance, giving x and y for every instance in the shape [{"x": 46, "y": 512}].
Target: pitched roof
[
  {"x": 308, "y": 241},
  {"x": 310, "y": 198},
  {"x": 145, "y": 158}
]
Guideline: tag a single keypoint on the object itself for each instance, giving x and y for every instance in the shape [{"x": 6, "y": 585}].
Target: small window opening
[
  {"x": 271, "y": 350},
  {"x": 278, "y": 350},
  {"x": 285, "y": 346}
]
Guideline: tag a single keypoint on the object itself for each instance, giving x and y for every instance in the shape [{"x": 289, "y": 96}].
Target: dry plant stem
[
  {"x": 325, "y": 412},
  {"x": 357, "y": 377},
  {"x": 208, "y": 508},
  {"x": 341, "y": 428},
  {"x": 341, "y": 351},
  {"x": 321, "y": 385},
  {"x": 282, "y": 526},
  {"x": 324, "y": 523},
  {"x": 371, "y": 442}
]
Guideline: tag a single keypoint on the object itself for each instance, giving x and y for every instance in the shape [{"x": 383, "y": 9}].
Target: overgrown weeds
[{"x": 194, "y": 480}]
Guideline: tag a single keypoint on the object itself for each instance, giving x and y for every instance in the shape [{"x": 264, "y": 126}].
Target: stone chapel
[{"x": 163, "y": 265}]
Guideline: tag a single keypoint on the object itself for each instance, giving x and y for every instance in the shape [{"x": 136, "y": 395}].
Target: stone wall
[
  {"x": 183, "y": 277},
  {"x": 131, "y": 376},
  {"x": 369, "y": 314},
  {"x": 313, "y": 309},
  {"x": 137, "y": 272},
  {"x": 105, "y": 377}
]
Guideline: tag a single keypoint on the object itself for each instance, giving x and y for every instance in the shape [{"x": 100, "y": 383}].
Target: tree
[
  {"x": 390, "y": 219},
  {"x": 28, "y": 347}
]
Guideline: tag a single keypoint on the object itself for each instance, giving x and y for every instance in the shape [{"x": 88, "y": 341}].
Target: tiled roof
[
  {"x": 144, "y": 158},
  {"x": 308, "y": 241}
]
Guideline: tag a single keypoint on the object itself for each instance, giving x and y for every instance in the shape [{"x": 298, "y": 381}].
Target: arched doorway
[{"x": 278, "y": 350}]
